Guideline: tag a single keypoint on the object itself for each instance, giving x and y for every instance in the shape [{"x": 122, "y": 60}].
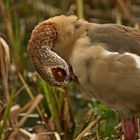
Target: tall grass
[
  {"x": 63, "y": 110},
  {"x": 80, "y": 8}
]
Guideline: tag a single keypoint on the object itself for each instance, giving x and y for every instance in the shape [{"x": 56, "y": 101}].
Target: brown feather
[{"x": 116, "y": 37}]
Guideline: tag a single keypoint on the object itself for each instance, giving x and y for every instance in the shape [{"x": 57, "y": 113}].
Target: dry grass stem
[
  {"x": 35, "y": 102},
  {"x": 30, "y": 95},
  {"x": 90, "y": 125},
  {"x": 4, "y": 64}
]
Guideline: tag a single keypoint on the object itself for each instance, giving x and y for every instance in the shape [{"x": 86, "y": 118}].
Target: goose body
[{"x": 105, "y": 59}]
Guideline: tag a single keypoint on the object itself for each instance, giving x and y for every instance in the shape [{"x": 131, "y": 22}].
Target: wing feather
[{"x": 117, "y": 38}]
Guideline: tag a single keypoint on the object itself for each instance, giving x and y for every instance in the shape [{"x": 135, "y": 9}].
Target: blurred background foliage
[{"x": 28, "y": 106}]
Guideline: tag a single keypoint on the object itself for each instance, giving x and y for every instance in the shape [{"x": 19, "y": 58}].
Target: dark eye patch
[{"x": 59, "y": 74}]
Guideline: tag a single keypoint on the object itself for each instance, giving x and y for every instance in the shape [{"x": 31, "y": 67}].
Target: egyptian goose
[{"x": 102, "y": 59}]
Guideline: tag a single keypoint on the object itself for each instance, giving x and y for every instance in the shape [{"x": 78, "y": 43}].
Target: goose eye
[{"x": 59, "y": 74}]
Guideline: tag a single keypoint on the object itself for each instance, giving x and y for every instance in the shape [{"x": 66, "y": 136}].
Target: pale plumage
[{"x": 110, "y": 77}]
